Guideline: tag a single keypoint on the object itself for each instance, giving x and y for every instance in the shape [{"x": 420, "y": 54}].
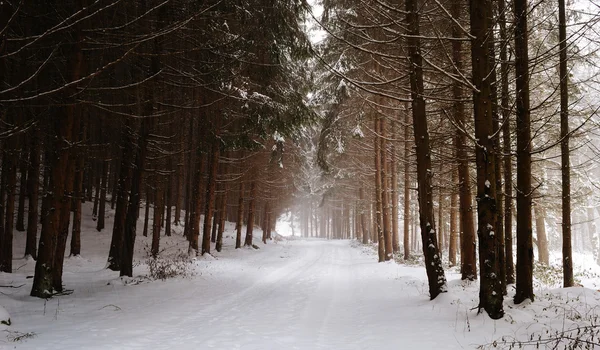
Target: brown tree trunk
[
  {"x": 20, "y": 224},
  {"x": 394, "y": 188},
  {"x": 378, "y": 191},
  {"x": 542, "y": 238},
  {"x": 363, "y": 215},
  {"x": 77, "y": 199},
  {"x": 524, "y": 287},
  {"x": 385, "y": 193},
  {"x": 9, "y": 170},
  {"x": 240, "y": 216},
  {"x": 250, "y": 223},
  {"x": 168, "y": 200},
  {"x": 222, "y": 217},
  {"x": 33, "y": 190},
  {"x": 102, "y": 205},
  {"x": 506, "y": 140},
  {"x": 125, "y": 183},
  {"x": 491, "y": 293},
  {"x": 146, "y": 213},
  {"x": 407, "y": 219},
  {"x": 453, "y": 221},
  {"x": 468, "y": 265},
  {"x": 158, "y": 215},
  {"x": 210, "y": 196},
  {"x": 567, "y": 251},
  {"x": 433, "y": 261},
  {"x": 133, "y": 206}
]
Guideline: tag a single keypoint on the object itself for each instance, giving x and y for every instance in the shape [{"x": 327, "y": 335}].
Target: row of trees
[
  {"x": 462, "y": 84},
  {"x": 192, "y": 107}
]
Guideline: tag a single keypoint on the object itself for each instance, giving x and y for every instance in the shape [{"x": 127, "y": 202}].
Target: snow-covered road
[{"x": 294, "y": 294}]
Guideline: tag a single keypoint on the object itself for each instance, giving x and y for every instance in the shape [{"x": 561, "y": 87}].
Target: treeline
[
  {"x": 447, "y": 113},
  {"x": 191, "y": 107}
]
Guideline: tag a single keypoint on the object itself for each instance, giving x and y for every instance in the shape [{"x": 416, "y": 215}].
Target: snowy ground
[{"x": 291, "y": 294}]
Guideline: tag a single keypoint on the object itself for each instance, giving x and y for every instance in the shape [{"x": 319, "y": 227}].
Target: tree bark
[
  {"x": 468, "y": 267},
  {"x": 433, "y": 261},
  {"x": 240, "y": 216},
  {"x": 524, "y": 287},
  {"x": 491, "y": 293},
  {"x": 250, "y": 223},
  {"x": 33, "y": 190},
  {"x": 102, "y": 205},
  {"x": 567, "y": 250},
  {"x": 506, "y": 140},
  {"x": 210, "y": 196}
]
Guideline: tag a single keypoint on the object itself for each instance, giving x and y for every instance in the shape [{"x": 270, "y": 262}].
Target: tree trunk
[
  {"x": 524, "y": 287},
  {"x": 468, "y": 267},
  {"x": 491, "y": 293},
  {"x": 77, "y": 199},
  {"x": 250, "y": 223},
  {"x": 9, "y": 167},
  {"x": 240, "y": 215},
  {"x": 506, "y": 140},
  {"x": 379, "y": 191},
  {"x": 210, "y": 196},
  {"x": 20, "y": 224},
  {"x": 158, "y": 215},
  {"x": 33, "y": 190},
  {"x": 102, "y": 205},
  {"x": 453, "y": 221},
  {"x": 433, "y": 261},
  {"x": 406, "y": 239},
  {"x": 125, "y": 183},
  {"x": 394, "y": 189},
  {"x": 542, "y": 238},
  {"x": 567, "y": 252},
  {"x": 222, "y": 218}
]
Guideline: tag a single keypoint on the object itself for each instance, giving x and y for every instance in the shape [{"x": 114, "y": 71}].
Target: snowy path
[
  {"x": 297, "y": 294},
  {"x": 292, "y": 295}
]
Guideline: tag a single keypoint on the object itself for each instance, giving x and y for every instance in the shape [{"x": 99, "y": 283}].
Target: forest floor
[{"x": 289, "y": 294}]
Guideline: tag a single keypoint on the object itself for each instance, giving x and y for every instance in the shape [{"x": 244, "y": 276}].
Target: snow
[{"x": 290, "y": 294}]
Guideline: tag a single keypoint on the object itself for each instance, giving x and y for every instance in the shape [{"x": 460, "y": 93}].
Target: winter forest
[{"x": 325, "y": 174}]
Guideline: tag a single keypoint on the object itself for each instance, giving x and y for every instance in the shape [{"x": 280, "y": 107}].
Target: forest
[{"x": 457, "y": 136}]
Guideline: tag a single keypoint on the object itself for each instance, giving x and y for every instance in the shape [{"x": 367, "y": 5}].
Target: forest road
[
  {"x": 316, "y": 294},
  {"x": 297, "y": 294}
]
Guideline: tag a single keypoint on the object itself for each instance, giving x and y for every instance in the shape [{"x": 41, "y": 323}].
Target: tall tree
[
  {"x": 524, "y": 268},
  {"x": 433, "y": 261}
]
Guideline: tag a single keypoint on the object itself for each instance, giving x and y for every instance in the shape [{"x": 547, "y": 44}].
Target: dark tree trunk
[
  {"x": 250, "y": 222},
  {"x": 240, "y": 216},
  {"x": 468, "y": 265},
  {"x": 222, "y": 217},
  {"x": 97, "y": 185},
  {"x": 210, "y": 197},
  {"x": 168, "y": 206},
  {"x": 20, "y": 224},
  {"x": 406, "y": 239},
  {"x": 453, "y": 221},
  {"x": 158, "y": 215},
  {"x": 491, "y": 293},
  {"x": 524, "y": 287},
  {"x": 567, "y": 252},
  {"x": 125, "y": 183},
  {"x": 9, "y": 173},
  {"x": 506, "y": 140},
  {"x": 378, "y": 191},
  {"x": 133, "y": 206},
  {"x": 102, "y": 205},
  {"x": 146, "y": 213},
  {"x": 433, "y": 261},
  {"x": 33, "y": 184},
  {"x": 77, "y": 200}
]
